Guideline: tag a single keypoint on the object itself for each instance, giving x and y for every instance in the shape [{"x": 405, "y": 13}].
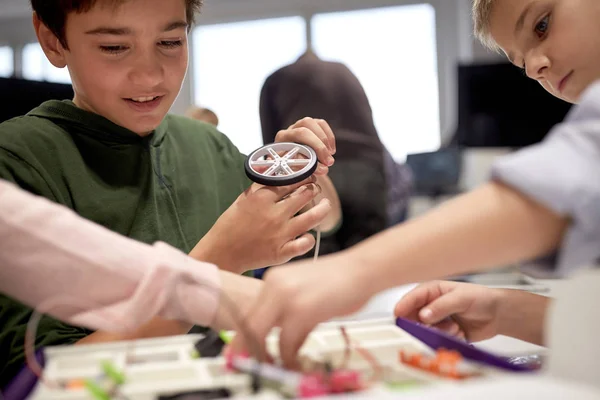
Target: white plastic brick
[{"x": 170, "y": 366}]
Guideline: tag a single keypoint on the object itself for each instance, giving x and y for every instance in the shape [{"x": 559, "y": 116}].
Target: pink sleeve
[{"x": 92, "y": 277}]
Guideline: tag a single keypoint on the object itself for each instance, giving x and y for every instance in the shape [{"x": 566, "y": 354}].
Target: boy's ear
[{"x": 52, "y": 47}]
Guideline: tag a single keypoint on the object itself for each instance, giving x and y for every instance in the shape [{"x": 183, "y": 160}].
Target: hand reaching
[{"x": 460, "y": 309}]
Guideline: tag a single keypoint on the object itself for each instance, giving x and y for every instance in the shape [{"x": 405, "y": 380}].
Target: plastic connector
[
  {"x": 312, "y": 386},
  {"x": 445, "y": 363},
  {"x": 344, "y": 381},
  {"x": 211, "y": 345}
]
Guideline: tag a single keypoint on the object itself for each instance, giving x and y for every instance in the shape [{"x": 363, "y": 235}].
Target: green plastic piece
[
  {"x": 96, "y": 391},
  {"x": 225, "y": 337},
  {"x": 110, "y": 371},
  {"x": 402, "y": 386}
]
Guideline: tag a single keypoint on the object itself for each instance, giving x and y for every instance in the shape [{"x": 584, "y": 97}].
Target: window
[
  {"x": 393, "y": 53},
  {"x": 37, "y": 67},
  {"x": 231, "y": 63},
  {"x": 6, "y": 61}
]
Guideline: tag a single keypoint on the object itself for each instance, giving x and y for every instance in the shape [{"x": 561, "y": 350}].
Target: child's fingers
[
  {"x": 321, "y": 170},
  {"x": 299, "y": 199},
  {"x": 309, "y": 138},
  {"x": 330, "y": 136},
  {"x": 443, "y": 307},
  {"x": 277, "y": 193},
  {"x": 410, "y": 305},
  {"x": 448, "y": 326},
  {"x": 319, "y": 129},
  {"x": 309, "y": 219},
  {"x": 298, "y": 246}
]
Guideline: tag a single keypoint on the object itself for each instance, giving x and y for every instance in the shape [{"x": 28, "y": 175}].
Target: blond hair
[
  {"x": 482, "y": 11},
  {"x": 202, "y": 114}
]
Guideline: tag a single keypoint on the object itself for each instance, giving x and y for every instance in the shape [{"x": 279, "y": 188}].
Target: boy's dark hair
[{"x": 53, "y": 13}]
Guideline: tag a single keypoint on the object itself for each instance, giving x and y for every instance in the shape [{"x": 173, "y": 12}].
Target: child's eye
[
  {"x": 170, "y": 44},
  {"x": 542, "y": 27},
  {"x": 113, "y": 49}
]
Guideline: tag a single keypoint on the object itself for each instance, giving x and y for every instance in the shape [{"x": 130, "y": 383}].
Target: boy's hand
[
  {"x": 316, "y": 134},
  {"x": 299, "y": 296},
  {"x": 262, "y": 228},
  {"x": 468, "y": 311}
]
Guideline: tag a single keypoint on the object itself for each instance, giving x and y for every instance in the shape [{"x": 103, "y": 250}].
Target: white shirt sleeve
[
  {"x": 563, "y": 173},
  {"x": 94, "y": 277}
]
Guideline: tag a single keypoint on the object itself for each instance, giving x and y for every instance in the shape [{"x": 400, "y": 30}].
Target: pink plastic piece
[
  {"x": 312, "y": 386},
  {"x": 345, "y": 381},
  {"x": 229, "y": 355}
]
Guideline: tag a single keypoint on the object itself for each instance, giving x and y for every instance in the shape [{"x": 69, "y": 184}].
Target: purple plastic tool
[
  {"x": 437, "y": 339},
  {"x": 24, "y": 383}
]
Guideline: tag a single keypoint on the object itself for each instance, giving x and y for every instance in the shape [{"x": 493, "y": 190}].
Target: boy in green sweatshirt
[{"x": 114, "y": 156}]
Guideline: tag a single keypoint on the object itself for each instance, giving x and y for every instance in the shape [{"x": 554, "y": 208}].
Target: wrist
[
  {"x": 207, "y": 251},
  {"x": 522, "y": 315},
  {"x": 504, "y": 315}
]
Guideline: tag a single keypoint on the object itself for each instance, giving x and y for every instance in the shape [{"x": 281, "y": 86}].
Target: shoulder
[
  {"x": 31, "y": 134},
  {"x": 592, "y": 93},
  {"x": 580, "y": 131},
  {"x": 182, "y": 125},
  {"x": 589, "y": 105},
  {"x": 282, "y": 74},
  {"x": 193, "y": 131},
  {"x": 206, "y": 144}
]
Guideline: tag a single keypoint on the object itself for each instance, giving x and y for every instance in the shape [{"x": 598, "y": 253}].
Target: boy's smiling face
[
  {"x": 127, "y": 62},
  {"x": 557, "y": 42}
]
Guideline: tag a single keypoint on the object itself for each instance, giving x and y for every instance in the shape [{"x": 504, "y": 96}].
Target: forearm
[
  {"x": 51, "y": 258},
  {"x": 157, "y": 327},
  {"x": 329, "y": 192},
  {"x": 522, "y": 315},
  {"x": 489, "y": 227},
  {"x": 235, "y": 295}
]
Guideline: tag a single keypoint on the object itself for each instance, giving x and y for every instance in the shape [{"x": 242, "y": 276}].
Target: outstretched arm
[{"x": 87, "y": 275}]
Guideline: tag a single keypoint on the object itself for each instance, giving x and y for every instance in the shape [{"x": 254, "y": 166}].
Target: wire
[
  {"x": 347, "y": 347},
  {"x": 318, "y": 239},
  {"x": 367, "y": 355},
  {"x": 47, "y": 306},
  {"x": 377, "y": 368},
  {"x": 30, "y": 336}
]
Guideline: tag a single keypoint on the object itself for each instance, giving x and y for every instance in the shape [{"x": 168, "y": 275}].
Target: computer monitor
[
  {"x": 19, "y": 96},
  {"x": 436, "y": 173},
  {"x": 498, "y": 106}
]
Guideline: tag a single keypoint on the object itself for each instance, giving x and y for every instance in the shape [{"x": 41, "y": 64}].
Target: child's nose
[
  {"x": 147, "y": 71},
  {"x": 537, "y": 66}
]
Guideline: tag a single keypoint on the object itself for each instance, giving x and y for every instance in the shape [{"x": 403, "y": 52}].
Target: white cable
[
  {"x": 318, "y": 244},
  {"x": 318, "y": 239}
]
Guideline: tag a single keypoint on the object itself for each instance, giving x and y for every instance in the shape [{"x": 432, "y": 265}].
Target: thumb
[{"x": 443, "y": 307}]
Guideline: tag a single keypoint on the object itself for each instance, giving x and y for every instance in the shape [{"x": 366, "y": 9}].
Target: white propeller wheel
[{"x": 281, "y": 164}]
